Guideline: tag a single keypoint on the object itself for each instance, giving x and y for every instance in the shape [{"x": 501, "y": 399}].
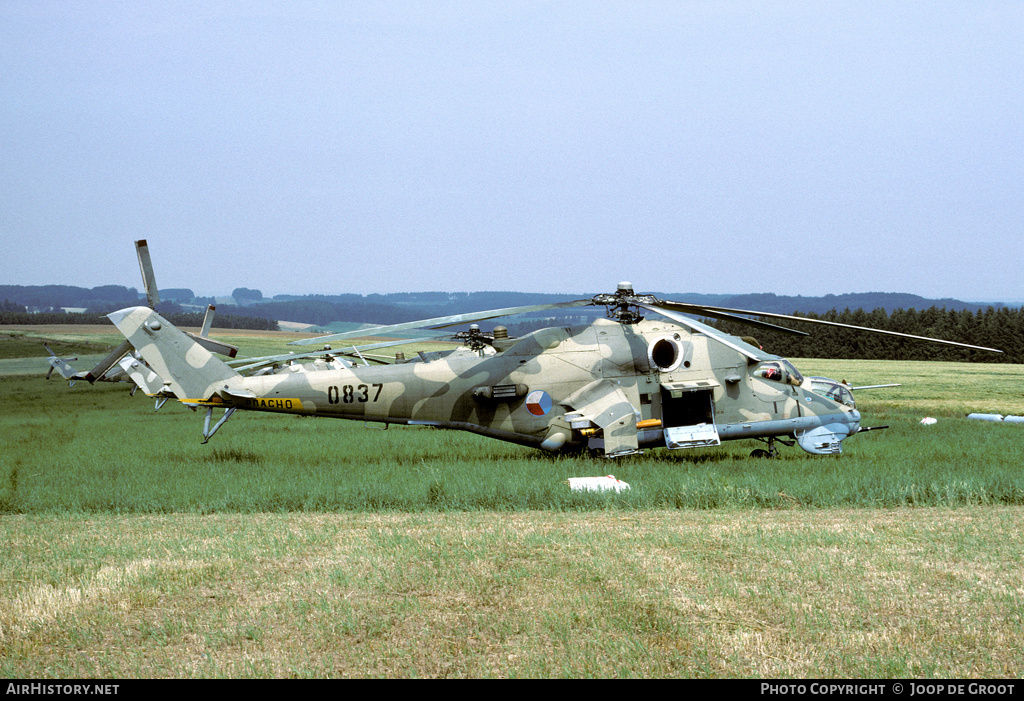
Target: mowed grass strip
[{"x": 929, "y": 592}]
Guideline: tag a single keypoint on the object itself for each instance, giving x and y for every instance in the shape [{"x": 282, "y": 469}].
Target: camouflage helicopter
[{"x": 615, "y": 387}]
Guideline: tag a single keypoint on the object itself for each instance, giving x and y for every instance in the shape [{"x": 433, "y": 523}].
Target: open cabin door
[{"x": 688, "y": 414}]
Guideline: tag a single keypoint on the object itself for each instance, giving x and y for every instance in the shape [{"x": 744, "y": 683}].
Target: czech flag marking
[{"x": 538, "y": 402}]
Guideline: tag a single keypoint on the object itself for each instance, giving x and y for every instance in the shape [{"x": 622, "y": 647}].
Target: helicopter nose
[
  {"x": 849, "y": 424},
  {"x": 854, "y": 421},
  {"x": 828, "y": 438}
]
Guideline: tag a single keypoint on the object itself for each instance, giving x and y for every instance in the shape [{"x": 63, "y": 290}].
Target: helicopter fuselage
[
  {"x": 609, "y": 386},
  {"x": 614, "y": 387}
]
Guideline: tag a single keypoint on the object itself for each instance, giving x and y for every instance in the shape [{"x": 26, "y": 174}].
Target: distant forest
[
  {"x": 1001, "y": 328},
  {"x": 996, "y": 325},
  {"x": 46, "y": 304},
  {"x": 172, "y": 312}
]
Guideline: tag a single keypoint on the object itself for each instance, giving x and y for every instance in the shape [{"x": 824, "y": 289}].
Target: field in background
[{"x": 304, "y": 547}]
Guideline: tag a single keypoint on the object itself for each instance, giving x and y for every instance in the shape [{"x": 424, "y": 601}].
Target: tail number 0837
[{"x": 347, "y": 394}]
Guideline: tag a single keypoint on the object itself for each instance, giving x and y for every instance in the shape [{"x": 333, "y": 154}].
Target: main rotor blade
[
  {"x": 441, "y": 321},
  {"x": 755, "y": 354},
  {"x": 107, "y": 363},
  {"x": 850, "y": 326},
  {"x": 148, "y": 279},
  {"x": 713, "y": 313},
  {"x": 255, "y": 363}
]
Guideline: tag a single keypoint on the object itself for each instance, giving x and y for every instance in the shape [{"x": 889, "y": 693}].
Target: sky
[{"x": 800, "y": 148}]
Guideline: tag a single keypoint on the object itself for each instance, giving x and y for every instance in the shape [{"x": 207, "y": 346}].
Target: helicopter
[{"x": 620, "y": 385}]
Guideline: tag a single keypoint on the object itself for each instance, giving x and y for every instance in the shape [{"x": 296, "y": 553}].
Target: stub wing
[{"x": 604, "y": 404}]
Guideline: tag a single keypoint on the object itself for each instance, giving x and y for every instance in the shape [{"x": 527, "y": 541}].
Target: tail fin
[
  {"x": 143, "y": 376},
  {"x": 193, "y": 373}
]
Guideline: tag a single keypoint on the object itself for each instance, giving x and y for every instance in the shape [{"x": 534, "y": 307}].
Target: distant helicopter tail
[
  {"x": 193, "y": 373},
  {"x": 60, "y": 365}
]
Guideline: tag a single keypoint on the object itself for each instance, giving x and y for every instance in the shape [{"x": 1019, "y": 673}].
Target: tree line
[
  {"x": 12, "y": 313},
  {"x": 1001, "y": 328}
]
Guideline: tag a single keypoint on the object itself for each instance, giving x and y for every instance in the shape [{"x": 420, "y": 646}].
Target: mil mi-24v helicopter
[{"x": 615, "y": 387}]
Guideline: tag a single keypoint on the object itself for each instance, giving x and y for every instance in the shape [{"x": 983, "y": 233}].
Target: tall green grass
[{"x": 95, "y": 449}]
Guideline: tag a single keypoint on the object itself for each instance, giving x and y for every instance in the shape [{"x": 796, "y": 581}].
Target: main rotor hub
[
  {"x": 622, "y": 306},
  {"x": 474, "y": 338}
]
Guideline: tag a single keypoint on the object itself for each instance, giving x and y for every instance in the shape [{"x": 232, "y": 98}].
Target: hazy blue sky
[{"x": 789, "y": 147}]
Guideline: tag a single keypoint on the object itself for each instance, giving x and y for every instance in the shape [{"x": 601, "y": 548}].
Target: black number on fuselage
[{"x": 349, "y": 394}]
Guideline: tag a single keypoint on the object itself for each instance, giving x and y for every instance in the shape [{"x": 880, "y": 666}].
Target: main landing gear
[{"x": 772, "y": 451}]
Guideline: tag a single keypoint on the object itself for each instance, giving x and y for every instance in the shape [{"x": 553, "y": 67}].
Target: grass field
[
  {"x": 870, "y": 593},
  {"x": 305, "y": 547}
]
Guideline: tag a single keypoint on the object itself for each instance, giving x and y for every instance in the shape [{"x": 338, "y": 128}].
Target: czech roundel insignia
[{"x": 538, "y": 402}]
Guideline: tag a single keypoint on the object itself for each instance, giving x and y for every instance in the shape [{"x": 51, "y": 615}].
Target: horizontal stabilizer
[
  {"x": 147, "y": 380},
  {"x": 233, "y": 395},
  {"x": 214, "y": 346}
]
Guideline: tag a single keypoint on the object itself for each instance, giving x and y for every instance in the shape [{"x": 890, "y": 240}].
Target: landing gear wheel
[{"x": 771, "y": 452}]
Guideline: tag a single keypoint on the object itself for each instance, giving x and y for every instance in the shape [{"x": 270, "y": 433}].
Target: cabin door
[{"x": 688, "y": 414}]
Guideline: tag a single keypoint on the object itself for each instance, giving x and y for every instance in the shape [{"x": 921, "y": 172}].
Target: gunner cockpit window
[{"x": 830, "y": 389}]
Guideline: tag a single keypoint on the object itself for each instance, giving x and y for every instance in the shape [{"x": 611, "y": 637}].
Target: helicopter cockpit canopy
[
  {"x": 780, "y": 370},
  {"x": 830, "y": 389}
]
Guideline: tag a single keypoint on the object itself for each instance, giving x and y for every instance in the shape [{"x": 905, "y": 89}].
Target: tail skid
[{"x": 207, "y": 431}]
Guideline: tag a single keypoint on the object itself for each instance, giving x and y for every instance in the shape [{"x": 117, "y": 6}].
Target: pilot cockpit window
[
  {"x": 779, "y": 371},
  {"x": 795, "y": 378},
  {"x": 770, "y": 371}
]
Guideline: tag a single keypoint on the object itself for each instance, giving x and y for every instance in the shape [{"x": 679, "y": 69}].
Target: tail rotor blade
[{"x": 108, "y": 362}]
